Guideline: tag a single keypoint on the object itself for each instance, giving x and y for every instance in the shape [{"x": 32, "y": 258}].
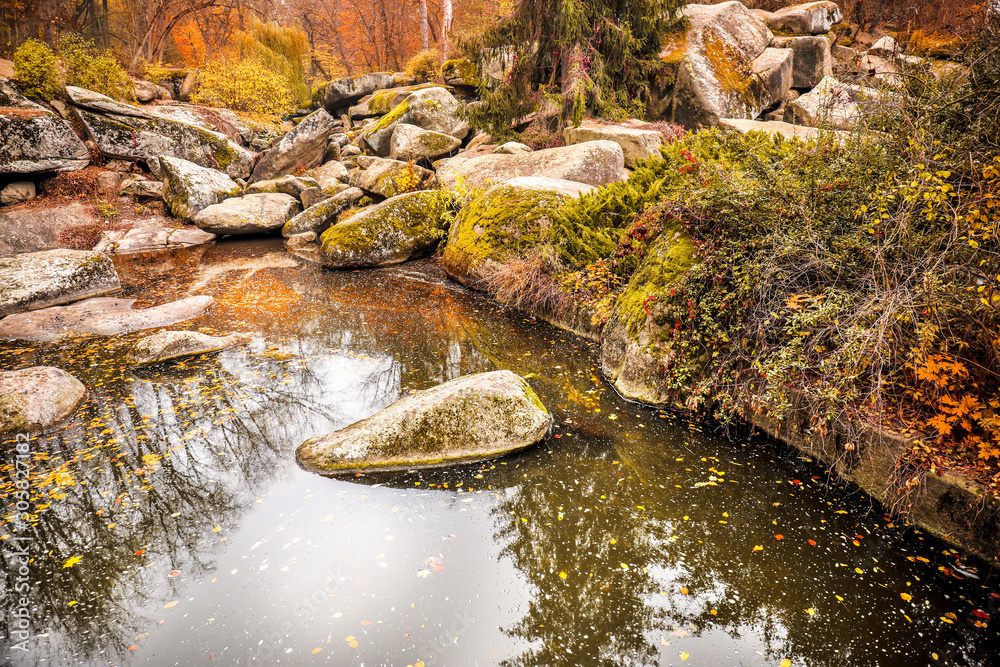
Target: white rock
[{"x": 252, "y": 214}]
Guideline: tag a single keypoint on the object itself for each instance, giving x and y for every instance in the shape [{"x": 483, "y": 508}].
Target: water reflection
[{"x": 173, "y": 526}]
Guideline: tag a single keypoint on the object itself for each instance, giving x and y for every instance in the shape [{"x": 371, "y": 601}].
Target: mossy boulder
[
  {"x": 712, "y": 63},
  {"x": 591, "y": 162},
  {"x": 460, "y": 72},
  {"x": 319, "y": 217},
  {"x": 399, "y": 229},
  {"x": 190, "y": 188},
  {"x": 388, "y": 178},
  {"x": 34, "y": 280},
  {"x": 383, "y": 101},
  {"x": 253, "y": 214},
  {"x": 411, "y": 143},
  {"x": 129, "y": 137},
  {"x": 168, "y": 345},
  {"x": 88, "y": 99},
  {"x": 635, "y": 342},
  {"x": 303, "y": 147},
  {"x": 34, "y": 399},
  {"x": 33, "y": 139},
  {"x": 504, "y": 222},
  {"x": 432, "y": 109},
  {"x": 472, "y": 418}
]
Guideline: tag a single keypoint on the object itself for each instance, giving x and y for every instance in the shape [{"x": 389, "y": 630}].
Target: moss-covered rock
[
  {"x": 383, "y": 101},
  {"x": 388, "y": 178},
  {"x": 33, "y": 399},
  {"x": 190, "y": 188},
  {"x": 319, "y": 217},
  {"x": 399, "y": 229},
  {"x": 411, "y": 143},
  {"x": 432, "y": 109},
  {"x": 34, "y": 280},
  {"x": 473, "y": 418}
]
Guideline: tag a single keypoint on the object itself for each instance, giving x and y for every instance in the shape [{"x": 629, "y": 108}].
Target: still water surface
[{"x": 174, "y": 527}]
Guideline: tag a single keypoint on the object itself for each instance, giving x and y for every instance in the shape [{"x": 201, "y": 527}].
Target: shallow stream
[{"x": 174, "y": 527}]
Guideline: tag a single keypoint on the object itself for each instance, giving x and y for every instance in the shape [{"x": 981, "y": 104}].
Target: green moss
[
  {"x": 436, "y": 143},
  {"x": 460, "y": 68},
  {"x": 391, "y": 118}
]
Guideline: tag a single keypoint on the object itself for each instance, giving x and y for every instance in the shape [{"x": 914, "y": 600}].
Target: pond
[{"x": 172, "y": 525}]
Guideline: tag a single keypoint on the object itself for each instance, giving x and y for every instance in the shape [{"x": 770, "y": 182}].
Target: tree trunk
[
  {"x": 424, "y": 43},
  {"x": 445, "y": 29}
]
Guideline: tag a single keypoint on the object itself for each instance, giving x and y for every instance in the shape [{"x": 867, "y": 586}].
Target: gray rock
[
  {"x": 140, "y": 188},
  {"x": 252, "y": 214},
  {"x": 410, "y": 143},
  {"x": 30, "y": 230},
  {"x": 831, "y": 104},
  {"x": 319, "y": 217},
  {"x": 312, "y": 196},
  {"x": 109, "y": 182},
  {"x": 146, "y": 91},
  {"x": 347, "y": 91},
  {"x": 714, "y": 76},
  {"x": 516, "y": 147},
  {"x": 774, "y": 67},
  {"x": 33, "y": 139},
  {"x": 287, "y": 184},
  {"x": 216, "y": 119},
  {"x": 135, "y": 138},
  {"x": 811, "y": 18},
  {"x": 34, "y": 280},
  {"x": 812, "y": 59},
  {"x": 388, "y": 178},
  {"x": 433, "y": 109},
  {"x": 153, "y": 234},
  {"x": 34, "y": 399},
  {"x": 303, "y": 147},
  {"x": 786, "y": 130},
  {"x": 103, "y": 316},
  {"x": 472, "y": 418},
  {"x": 844, "y": 56},
  {"x": 301, "y": 239},
  {"x": 191, "y": 188},
  {"x": 886, "y": 46},
  {"x": 383, "y": 101},
  {"x": 167, "y": 345},
  {"x": 329, "y": 176},
  {"x": 88, "y": 99},
  {"x": 875, "y": 70},
  {"x": 592, "y": 162},
  {"x": 636, "y": 144},
  {"x": 17, "y": 192},
  {"x": 405, "y": 227}
]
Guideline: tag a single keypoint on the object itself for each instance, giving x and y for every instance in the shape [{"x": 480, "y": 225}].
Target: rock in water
[
  {"x": 167, "y": 345},
  {"x": 399, "y": 229},
  {"x": 252, "y": 214},
  {"x": 39, "y": 279},
  {"x": 473, "y": 418},
  {"x": 33, "y": 399}
]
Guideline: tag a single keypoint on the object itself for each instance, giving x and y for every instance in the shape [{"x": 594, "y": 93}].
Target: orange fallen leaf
[
  {"x": 779, "y": 537},
  {"x": 317, "y": 650},
  {"x": 133, "y": 647}
]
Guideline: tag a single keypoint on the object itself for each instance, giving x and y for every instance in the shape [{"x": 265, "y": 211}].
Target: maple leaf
[{"x": 72, "y": 561}]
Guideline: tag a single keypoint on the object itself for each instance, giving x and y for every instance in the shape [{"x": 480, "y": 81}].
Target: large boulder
[
  {"x": 330, "y": 177},
  {"x": 33, "y": 229},
  {"x": 812, "y": 60},
  {"x": 88, "y": 99},
  {"x": 190, "y": 188},
  {"x": 592, "y": 162},
  {"x": 167, "y": 345},
  {"x": 383, "y": 101},
  {"x": 399, "y": 229},
  {"x": 811, "y": 18},
  {"x": 388, "y": 178},
  {"x": 153, "y": 234},
  {"x": 473, "y": 418},
  {"x": 34, "y": 399},
  {"x": 344, "y": 92},
  {"x": 34, "y": 280},
  {"x": 33, "y": 139},
  {"x": 303, "y": 147},
  {"x": 319, "y": 217},
  {"x": 831, "y": 104},
  {"x": 433, "y": 109},
  {"x": 216, "y": 119},
  {"x": 714, "y": 77},
  {"x": 636, "y": 144},
  {"x": 287, "y": 184},
  {"x": 775, "y": 67},
  {"x": 103, "y": 316},
  {"x": 252, "y": 214},
  {"x": 495, "y": 226},
  {"x": 127, "y": 136},
  {"x": 411, "y": 143}
]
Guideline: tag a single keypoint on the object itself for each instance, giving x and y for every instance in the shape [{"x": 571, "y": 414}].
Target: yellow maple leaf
[{"x": 72, "y": 561}]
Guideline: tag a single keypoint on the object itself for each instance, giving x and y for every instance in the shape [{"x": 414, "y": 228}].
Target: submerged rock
[
  {"x": 151, "y": 235},
  {"x": 167, "y": 345},
  {"x": 591, "y": 162},
  {"x": 103, "y": 316},
  {"x": 34, "y": 280},
  {"x": 33, "y": 399},
  {"x": 399, "y": 229},
  {"x": 190, "y": 188},
  {"x": 252, "y": 214},
  {"x": 473, "y": 418}
]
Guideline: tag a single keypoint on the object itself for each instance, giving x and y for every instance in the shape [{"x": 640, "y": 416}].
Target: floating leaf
[
  {"x": 563, "y": 575},
  {"x": 979, "y": 613},
  {"x": 173, "y": 573},
  {"x": 685, "y": 656},
  {"x": 71, "y": 562},
  {"x": 786, "y": 663},
  {"x": 906, "y": 596},
  {"x": 172, "y": 603},
  {"x": 758, "y": 548},
  {"x": 684, "y": 590},
  {"x": 811, "y": 611},
  {"x": 317, "y": 650},
  {"x": 779, "y": 537}
]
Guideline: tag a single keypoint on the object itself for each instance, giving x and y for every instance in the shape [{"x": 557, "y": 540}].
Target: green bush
[
  {"x": 247, "y": 85},
  {"x": 423, "y": 66},
  {"x": 36, "y": 70},
  {"x": 87, "y": 67}
]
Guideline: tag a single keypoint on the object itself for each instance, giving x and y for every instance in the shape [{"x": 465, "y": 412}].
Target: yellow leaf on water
[
  {"x": 170, "y": 604},
  {"x": 563, "y": 575},
  {"x": 906, "y": 596},
  {"x": 317, "y": 650},
  {"x": 786, "y": 663},
  {"x": 758, "y": 548},
  {"x": 684, "y": 590},
  {"x": 859, "y": 570},
  {"x": 685, "y": 656},
  {"x": 72, "y": 561},
  {"x": 217, "y": 529},
  {"x": 810, "y": 611}
]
